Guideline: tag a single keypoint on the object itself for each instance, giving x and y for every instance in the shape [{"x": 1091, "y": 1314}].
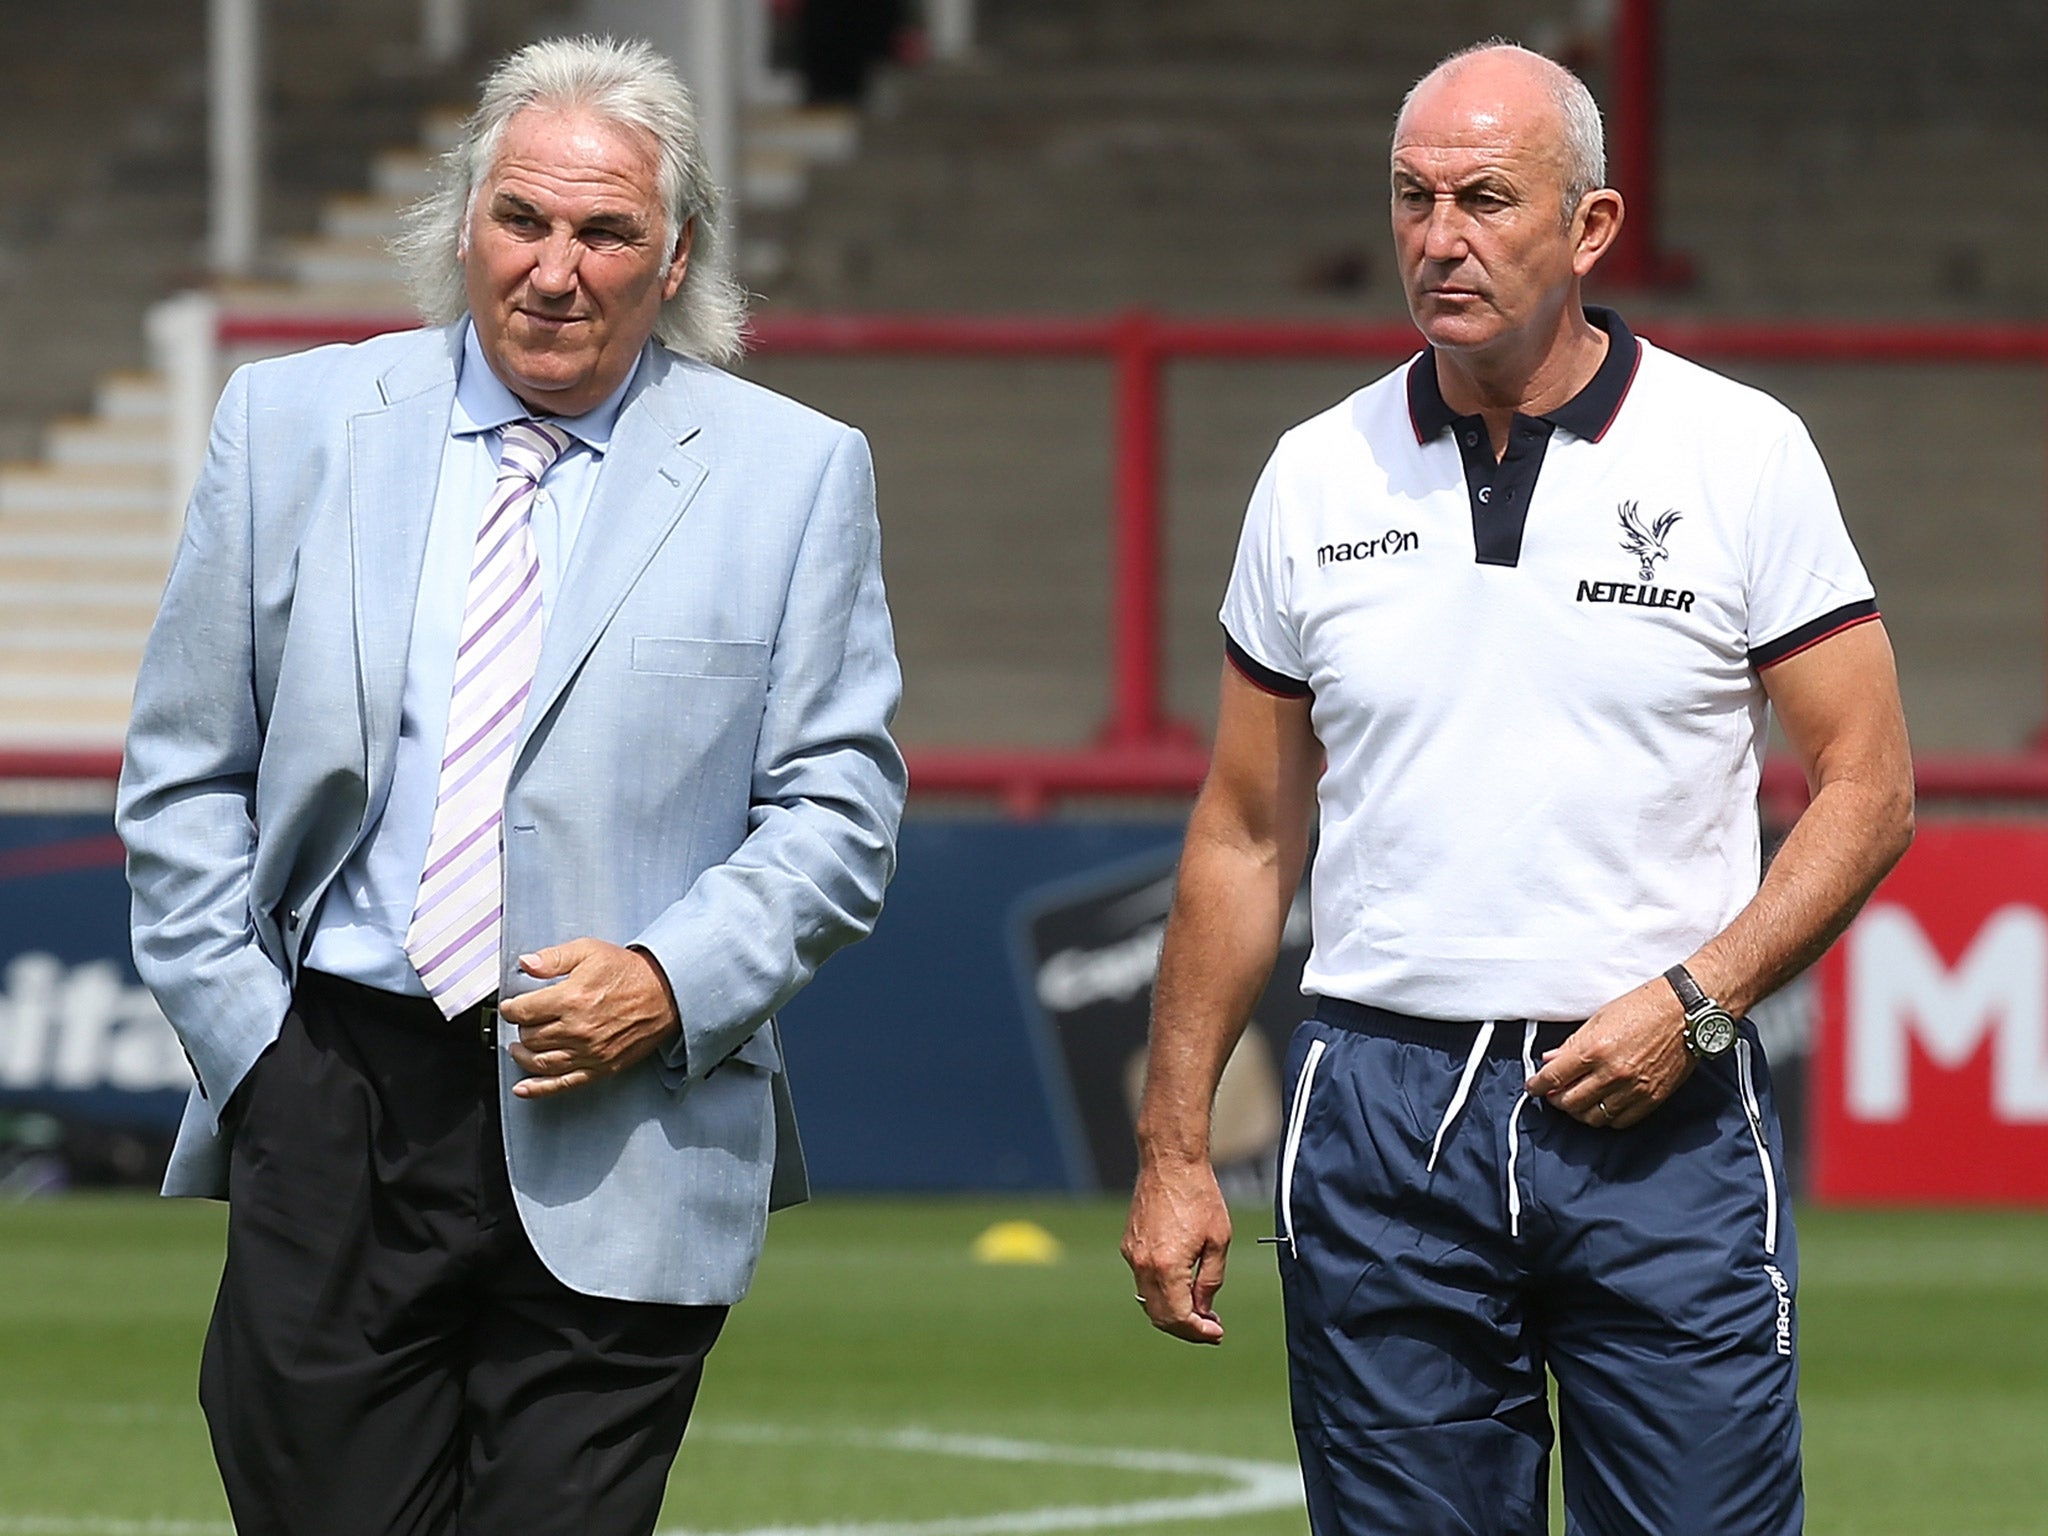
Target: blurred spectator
[{"x": 838, "y": 44}]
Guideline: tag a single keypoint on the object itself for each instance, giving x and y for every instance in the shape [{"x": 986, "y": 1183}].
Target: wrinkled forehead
[
  {"x": 1485, "y": 108},
  {"x": 577, "y": 147}
]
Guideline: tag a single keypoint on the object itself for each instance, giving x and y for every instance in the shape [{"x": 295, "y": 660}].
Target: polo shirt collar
[
  {"x": 484, "y": 404},
  {"x": 1588, "y": 414}
]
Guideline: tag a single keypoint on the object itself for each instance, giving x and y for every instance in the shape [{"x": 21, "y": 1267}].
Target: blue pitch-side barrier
[
  {"x": 922, "y": 1059},
  {"x": 79, "y": 1037},
  {"x": 987, "y": 1037}
]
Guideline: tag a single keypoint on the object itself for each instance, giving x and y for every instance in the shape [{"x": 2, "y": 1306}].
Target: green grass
[
  {"x": 1924, "y": 1353},
  {"x": 1925, "y": 1342}
]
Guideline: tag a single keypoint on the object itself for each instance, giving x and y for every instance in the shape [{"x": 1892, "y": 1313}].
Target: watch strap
[{"x": 1690, "y": 997}]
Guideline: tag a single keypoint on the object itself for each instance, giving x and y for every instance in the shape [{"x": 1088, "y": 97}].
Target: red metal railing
[
  {"x": 1635, "y": 92},
  {"x": 1139, "y": 749}
]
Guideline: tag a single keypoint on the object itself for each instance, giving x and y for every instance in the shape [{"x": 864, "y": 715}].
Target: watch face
[{"x": 1711, "y": 1032}]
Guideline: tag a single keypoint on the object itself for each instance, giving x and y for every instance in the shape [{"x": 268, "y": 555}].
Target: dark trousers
[
  {"x": 1651, "y": 1271},
  {"x": 387, "y": 1355}
]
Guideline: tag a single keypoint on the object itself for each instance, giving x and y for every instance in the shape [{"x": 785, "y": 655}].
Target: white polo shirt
[{"x": 1537, "y": 681}]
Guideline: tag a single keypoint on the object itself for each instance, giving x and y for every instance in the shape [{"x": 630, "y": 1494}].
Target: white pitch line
[
  {"x": 1257, "y": 1486},
  {"x": 1253, "y": 1487},
  {"x": 93, "y": 1525}
]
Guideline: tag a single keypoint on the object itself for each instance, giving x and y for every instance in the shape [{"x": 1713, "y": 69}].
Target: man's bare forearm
[
  {"x": 1844, "y": 843},
  {"x": 1221, "y": 941},
  {"x": 1840, "y": 709},
  {"x": 1239, "y": 869}
]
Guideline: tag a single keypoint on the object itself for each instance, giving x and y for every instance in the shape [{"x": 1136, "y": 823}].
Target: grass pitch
[{"x": 880, "y": 1381}]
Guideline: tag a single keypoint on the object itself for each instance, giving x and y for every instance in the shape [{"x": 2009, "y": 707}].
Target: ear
[
  {"x": 679, "y": 263},
  {"x": 1594, "y": 226}
]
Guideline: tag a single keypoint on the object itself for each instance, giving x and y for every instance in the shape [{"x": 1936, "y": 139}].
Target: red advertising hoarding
[{"x": 1930, "y": 1077}]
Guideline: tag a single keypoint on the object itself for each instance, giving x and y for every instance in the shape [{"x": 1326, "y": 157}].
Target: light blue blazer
[{"x": 705, "y": 767}]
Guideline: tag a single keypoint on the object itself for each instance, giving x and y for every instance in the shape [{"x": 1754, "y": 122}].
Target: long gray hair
[{"x": 627, "y": 83}]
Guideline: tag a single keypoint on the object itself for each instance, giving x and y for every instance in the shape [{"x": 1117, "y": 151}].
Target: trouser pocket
[
  {"x": 1290, "y": 1149},
  {"x": 1752, "y": 1111}
]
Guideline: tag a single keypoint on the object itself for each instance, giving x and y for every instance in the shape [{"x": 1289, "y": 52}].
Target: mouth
[{"x": 545, "y": 321}]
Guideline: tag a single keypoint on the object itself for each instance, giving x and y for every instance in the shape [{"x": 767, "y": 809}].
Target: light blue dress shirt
[{"x": 359, "y": 931}]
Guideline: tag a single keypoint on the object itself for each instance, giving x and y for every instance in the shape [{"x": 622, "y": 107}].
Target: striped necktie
[{"x": 458, "y": 917}]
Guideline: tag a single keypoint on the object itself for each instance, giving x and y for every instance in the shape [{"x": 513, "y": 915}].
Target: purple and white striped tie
[{"x": 458, "y": 917}]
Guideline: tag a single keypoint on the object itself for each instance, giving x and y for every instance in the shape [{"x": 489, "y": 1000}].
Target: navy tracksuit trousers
[{"x": 1445, "y": 1240}]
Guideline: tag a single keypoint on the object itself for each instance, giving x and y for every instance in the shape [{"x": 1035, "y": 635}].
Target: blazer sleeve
[
  {"x": 185, "y": 806},
  {"x": 827, "y": 792}
]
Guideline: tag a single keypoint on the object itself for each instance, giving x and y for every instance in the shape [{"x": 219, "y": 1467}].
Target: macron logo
[
  {"x": 1392, "y": 542},
  {"x": 1784, "y": 1330}
]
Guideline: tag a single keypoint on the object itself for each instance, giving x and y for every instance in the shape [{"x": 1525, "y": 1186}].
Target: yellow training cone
[{"x": 1017, "y": 1242}]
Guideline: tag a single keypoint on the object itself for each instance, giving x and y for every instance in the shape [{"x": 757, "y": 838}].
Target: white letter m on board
[{"x": 1899, "y": 988}]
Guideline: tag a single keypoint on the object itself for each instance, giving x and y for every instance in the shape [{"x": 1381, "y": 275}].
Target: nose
[
  {"x": 1443, "y": 234},
  {"x": 554, "y": 264}
]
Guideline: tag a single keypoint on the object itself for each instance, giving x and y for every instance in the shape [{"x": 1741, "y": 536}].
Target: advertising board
[
  {"x": 91, "y": 1078},
  {"x": 1088, "y": 952},
  {"x": 1931, "y": 1075}
]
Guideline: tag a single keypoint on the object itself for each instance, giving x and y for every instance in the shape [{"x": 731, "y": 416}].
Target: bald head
[{"x": 1508, "y": 90}]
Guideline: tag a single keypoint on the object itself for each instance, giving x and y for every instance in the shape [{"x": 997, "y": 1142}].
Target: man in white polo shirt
[{"x": 1513, "y": 618}]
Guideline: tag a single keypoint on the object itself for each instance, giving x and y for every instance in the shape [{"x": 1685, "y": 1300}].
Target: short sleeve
[
  {"x": 1806, "y": 581},
  {"x": 1260, "y": 636}
]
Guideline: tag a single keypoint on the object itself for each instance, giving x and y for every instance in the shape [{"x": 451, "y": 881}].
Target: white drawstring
[
  {"x": 1515, "y": 1129},
  {"x": 1479, "y": 1044}
]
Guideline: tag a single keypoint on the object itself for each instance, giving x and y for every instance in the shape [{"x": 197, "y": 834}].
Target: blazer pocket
[{"x": 744, "y": 659}]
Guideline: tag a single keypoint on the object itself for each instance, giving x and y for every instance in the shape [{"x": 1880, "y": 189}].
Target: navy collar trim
[{"x": 1588, "y": 414}]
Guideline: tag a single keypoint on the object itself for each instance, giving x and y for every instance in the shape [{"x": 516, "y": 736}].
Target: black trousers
[{"x": 387, "y": 1356}]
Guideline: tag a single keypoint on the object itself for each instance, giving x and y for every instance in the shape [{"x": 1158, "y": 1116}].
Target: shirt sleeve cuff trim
[
  {"x": 1261, "y": 676},
  {"x": 1810, "y": 634}
]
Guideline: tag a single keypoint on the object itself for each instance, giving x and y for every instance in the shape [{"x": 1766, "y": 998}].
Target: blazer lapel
[
  {"x": 646, "y": 483},
  {"x": 395, "y": 468}
]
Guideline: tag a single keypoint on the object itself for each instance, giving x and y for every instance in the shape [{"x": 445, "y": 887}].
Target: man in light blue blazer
[{"x": 511, "y": 745}]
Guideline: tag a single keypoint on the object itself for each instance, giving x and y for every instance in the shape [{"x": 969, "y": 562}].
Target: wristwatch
[{"x": 1709, "y": 1028}]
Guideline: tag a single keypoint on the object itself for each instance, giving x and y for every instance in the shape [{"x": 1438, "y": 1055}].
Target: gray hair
[
  {"x": 1581, "y": 139},
  {"x": 626, "y": 83}
]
